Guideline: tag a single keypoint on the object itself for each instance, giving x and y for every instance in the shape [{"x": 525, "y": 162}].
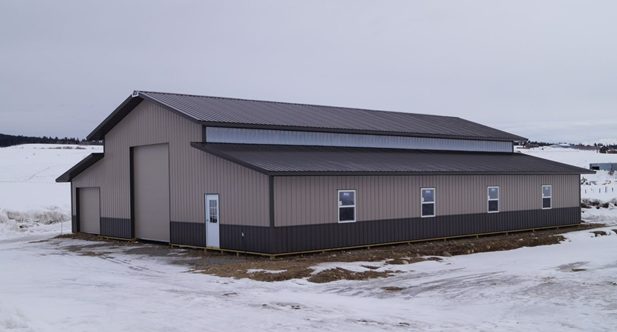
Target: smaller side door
[
  {"x": 212, "y": 221},
  {"x": 89, "y": 206}
]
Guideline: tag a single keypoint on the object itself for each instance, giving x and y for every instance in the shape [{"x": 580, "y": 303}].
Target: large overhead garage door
[
  {"x": 89, "y": 210},
  {"x": 151, "y": 192}
]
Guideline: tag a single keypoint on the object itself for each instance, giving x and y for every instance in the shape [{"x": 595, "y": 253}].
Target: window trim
[
  {"x": 338, "y": 206},
  {"x": 489, "y": 199},
  {"x": 434, "y": 202},
  {"x": 549, "y": 197}
]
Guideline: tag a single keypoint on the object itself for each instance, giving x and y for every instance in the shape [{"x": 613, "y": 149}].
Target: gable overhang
[
  {"x": 80, "y": 167},
  {"x": 123, "y": 110}
]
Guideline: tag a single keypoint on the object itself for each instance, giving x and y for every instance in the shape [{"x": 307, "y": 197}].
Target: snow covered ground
[
  {"x": 567, "y": 287},
  {"x": 46, "y": 286},
  {"x": 30, "y": 199}
]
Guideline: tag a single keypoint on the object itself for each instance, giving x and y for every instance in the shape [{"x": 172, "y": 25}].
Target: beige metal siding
[
  {"x": 312, "y": 199},
  {"x": 193, "y": 173}
]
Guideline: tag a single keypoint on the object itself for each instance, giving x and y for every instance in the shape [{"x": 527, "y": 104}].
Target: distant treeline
[
  {"x": 536, "y": 143},
  {"x": 9, "y": 140}
]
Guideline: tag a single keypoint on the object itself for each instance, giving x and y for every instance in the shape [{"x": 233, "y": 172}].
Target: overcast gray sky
[{"x": 546, "y": 70}]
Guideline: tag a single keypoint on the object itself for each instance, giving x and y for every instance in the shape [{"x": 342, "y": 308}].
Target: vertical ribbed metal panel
[
  {"x": 332, "y": 235},
  {"x": 116, "y": 227},
  {"x": 188, "y": 233},
  {"x": 313, "y": 199},
  {"x": 256, "y": 239},
  {"x": 193, "y": 173},
  {"x": 288, "y": 137}
]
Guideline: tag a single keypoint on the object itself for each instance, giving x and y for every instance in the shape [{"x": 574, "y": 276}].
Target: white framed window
[
  {"x": 547, "y": 197},
  {"x": 493, "y": 199},
  {"x": 427, "y": 196},
  {"x": 346, "y": 206}
]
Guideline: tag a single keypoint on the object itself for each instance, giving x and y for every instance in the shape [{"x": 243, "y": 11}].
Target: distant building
[{"x": 603, "y": 166}]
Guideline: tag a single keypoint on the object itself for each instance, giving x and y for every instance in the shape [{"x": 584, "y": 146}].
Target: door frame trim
[
  {"x": 77, "y": 212},
  {"x": 205, "y": 216}
]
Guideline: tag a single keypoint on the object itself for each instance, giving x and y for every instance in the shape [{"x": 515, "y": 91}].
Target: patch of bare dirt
[
  {"x": 370, "y": 267},
  {"x": 599, "y": 233},
  {"x": 416, "y": 259},
  {"x": 299, "y": 266},
  {"x": 344, "y": 274},
  {"x": 96, "y": 238},
  {"x": 293, "y": 269},
  {"x": 40, "y": 241},
  {"x": 392, "y": 289},
  {"x": 578, "y": 270},
  {"x": 177, "y": 256},
  {"x": 89, "y": 250}
]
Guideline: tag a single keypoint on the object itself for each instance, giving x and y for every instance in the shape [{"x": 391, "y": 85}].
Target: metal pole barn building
[{"x": 275, "y": 178}]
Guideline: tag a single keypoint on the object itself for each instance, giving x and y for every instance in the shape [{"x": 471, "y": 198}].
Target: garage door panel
[
  {"x": 151, "y": 192},
  {"x": 89, "y": 210}
]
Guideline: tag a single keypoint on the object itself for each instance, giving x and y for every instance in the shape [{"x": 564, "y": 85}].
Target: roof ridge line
[{"x": 299, "y": 104}]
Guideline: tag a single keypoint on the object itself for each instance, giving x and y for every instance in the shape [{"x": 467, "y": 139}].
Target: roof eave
[
  {"x": 575, "y": 169},
  {"x": 316, "y": 173},
  {"x": 114, "y": 118},
  {"x": 81, "y": 166},
  {"x": 205, "y": 148}
]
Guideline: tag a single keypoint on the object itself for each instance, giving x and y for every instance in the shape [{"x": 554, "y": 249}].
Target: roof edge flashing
[
  {"x": 204, "y": 147},
  {"x": 81, "y": 166},
  {"x": 114, "y": 118}
]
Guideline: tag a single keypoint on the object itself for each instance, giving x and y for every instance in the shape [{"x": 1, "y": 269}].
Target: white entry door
[{"x": 212, "y": 221}]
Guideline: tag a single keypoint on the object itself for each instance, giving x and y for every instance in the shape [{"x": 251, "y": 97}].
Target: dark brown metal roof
[
  {"x": 309, "y": 160},
  {"x": 80, "y": 167},
  {"x": 218, "y": 111}
]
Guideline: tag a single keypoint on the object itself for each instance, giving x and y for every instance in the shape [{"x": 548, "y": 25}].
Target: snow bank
[
  {"x": 600, "y": 216},
  {"x": 15, "y": 224}
]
